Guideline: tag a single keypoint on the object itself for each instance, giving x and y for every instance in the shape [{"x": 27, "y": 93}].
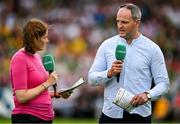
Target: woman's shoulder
[{"x": 19, "y": 55}]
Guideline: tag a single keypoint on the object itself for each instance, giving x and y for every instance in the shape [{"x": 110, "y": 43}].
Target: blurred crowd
[{"x": 77, "y": 28}]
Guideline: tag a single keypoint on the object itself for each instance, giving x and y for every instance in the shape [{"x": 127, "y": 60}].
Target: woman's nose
[{"x": 47, "y": 41}]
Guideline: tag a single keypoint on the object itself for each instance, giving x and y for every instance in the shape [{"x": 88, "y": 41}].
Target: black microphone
[
  {"x": 120, "y": 54},
  {"x": 49, "y": 65}
]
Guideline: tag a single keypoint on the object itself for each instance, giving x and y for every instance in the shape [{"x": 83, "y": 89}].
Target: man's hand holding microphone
[
  {"x": 115, "y": 69},
  {"x": 117, "y": 65}
]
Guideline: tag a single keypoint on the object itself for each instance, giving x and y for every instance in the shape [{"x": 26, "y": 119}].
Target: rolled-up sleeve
[
  {"x": 98, "y": 72},
  {"x": 160, "y": 75}
]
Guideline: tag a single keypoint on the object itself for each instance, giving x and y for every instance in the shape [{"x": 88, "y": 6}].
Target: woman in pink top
[{"x": 30, "y": 80}]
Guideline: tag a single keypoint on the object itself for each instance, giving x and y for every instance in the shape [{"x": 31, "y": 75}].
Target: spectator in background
[
  {"x": 30, "y": 80},
  {"x": 144, "y": 61}
]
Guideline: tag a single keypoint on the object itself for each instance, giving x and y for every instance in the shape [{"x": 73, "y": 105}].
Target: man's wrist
[
  {"x": 148, "y": 95},
  {"x": 109, "y": 73}
]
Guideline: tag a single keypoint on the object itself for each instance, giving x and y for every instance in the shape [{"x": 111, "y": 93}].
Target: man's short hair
[{"x": 135, "y": 11}]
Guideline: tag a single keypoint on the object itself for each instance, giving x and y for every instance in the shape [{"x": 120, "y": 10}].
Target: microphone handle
[
  {"x": 118, "y": 75},
  {"x": 55, "y": 85}
]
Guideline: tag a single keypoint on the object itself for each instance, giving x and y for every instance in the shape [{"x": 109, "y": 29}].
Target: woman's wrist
[{"x": 45, "y": 85}]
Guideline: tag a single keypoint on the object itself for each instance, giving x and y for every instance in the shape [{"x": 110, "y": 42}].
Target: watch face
[{"x": 149, "y": 96}]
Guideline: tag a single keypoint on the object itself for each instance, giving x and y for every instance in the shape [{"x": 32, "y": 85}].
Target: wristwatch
[{"x": 148, "y": 95}]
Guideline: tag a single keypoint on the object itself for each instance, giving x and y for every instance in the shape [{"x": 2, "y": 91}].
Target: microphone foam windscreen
[
  {"x": 120, "y": 52},
  {"x": 48, "y": 63}
]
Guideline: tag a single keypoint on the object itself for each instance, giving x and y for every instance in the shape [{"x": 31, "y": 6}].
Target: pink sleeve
[
  {"x": 39, "y": 58},
  {"x": 19, "y": 72}
]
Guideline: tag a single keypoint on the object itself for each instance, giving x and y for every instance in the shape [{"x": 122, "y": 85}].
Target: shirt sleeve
[
  {"x": 160, "y": 75},
  {"x": 98, "y": 72},
  {"x": 19, "y": 72}
]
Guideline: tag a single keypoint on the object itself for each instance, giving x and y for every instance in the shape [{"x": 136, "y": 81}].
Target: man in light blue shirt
[{"x": 143, "y": 62}]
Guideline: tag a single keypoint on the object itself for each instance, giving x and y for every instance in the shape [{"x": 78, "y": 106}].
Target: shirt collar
[{"x": 134, "y": 40}]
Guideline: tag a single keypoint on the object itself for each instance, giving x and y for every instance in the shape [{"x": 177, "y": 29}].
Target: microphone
[
  {"x": 49, "y": 65},
  {"x": 120, "y": 54}
]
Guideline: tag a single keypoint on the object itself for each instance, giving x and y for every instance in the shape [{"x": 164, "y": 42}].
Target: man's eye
[{"x": 124, "y": 22}]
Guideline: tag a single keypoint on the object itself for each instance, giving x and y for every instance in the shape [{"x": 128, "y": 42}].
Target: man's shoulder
[
  {"x": 149, "y": 41},
  {"x": 111, "y": 39}
]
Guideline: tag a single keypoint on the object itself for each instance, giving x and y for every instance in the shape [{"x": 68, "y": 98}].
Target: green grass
[
  {"x": 75, "y": 120},
  {"x": 61, "y": 121},
  {"x": 4, "y": 120}
]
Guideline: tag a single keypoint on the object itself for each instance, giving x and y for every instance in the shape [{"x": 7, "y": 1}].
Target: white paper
[
  {"x": 76, "y": 85},
  {"x": 123, "y": 99}
]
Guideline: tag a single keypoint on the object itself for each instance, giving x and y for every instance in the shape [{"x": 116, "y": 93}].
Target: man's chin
[{"x": 122, "y": 35}]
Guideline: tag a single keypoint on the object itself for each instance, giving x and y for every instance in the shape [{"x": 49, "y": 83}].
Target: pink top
[{"x": 26, "y": 72}]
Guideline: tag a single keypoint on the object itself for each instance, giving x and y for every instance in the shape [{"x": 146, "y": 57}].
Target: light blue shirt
[{"x": 144, "y": 61}]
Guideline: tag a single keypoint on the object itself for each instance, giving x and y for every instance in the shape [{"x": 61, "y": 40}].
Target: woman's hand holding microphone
[{"x": 52, "y": 79}]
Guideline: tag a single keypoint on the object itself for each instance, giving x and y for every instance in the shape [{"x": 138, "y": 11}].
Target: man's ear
[{"x": 137, "y": 22}]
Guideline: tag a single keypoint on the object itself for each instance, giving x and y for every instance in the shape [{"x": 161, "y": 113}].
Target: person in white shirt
[{"x": 144, "y": 62}]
